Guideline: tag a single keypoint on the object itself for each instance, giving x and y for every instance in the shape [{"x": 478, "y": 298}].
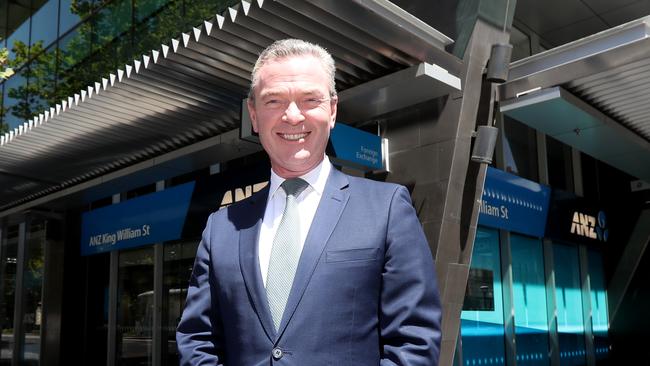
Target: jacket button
[{"x": 277, "y": 354}]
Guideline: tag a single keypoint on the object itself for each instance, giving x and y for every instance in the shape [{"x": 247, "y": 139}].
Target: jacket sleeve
[
  {"x": 199, "y": 333},
  {"x": 410, "y": 312}
]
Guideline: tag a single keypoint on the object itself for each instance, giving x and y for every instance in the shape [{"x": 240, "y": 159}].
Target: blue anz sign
[
  {"x": 152, "y": 218},
  {"x": 513, "y": 203},
  {"x": 355, "y": 148}
]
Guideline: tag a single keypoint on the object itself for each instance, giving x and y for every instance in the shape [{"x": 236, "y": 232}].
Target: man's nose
[{"x": 293, "y": 114}]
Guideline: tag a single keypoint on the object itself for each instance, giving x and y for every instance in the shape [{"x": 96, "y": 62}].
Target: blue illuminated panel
[
  {"x": 529, "y": 291},
  {"x": 568, "y": 297},
  {"x": 482, "y": 329}
]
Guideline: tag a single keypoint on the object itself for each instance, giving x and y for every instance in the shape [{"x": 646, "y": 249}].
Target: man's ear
[
  {"x": 251, "y": 112},
  {"x": 333, "y": 108}
]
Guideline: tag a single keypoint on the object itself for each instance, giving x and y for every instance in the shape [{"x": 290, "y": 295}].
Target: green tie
[{"x": 285, "y": 252}]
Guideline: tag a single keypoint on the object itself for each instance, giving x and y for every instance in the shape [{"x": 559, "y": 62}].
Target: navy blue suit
[{"x": 364, "y": 293}]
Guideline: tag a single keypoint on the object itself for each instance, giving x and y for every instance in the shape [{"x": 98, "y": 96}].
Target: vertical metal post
[
  {"x": 157, "y": 331},
  {"x": 19, "y": 312},
  {"x": 508, "y": 298},
  {"x": 551, "y": 304},
  {"x": 111, "y": 348},
  {"x": 585, "y": 280}
]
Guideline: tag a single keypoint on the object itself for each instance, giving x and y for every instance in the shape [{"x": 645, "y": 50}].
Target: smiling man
[{"x": 319, "y": 268}]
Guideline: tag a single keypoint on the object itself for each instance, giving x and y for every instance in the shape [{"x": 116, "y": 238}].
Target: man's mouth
[{"x": 293, "y": 136}]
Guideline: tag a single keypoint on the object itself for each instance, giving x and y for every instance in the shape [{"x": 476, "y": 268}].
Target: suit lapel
[
  {"x": 332, "y": 203},
  {"x": 249, "y": 260}
]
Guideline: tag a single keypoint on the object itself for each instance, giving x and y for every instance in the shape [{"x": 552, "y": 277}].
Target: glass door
[
  {"x": 135, "y": 307},
  {"x": 178, "y": 262},
  {"x": 8, "y": 259}
]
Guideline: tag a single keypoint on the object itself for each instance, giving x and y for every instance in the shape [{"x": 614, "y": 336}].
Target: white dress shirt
[{"x": 308, "y": 202}]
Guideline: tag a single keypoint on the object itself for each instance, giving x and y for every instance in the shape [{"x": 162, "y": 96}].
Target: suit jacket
[{"x": 364, "y": 293}]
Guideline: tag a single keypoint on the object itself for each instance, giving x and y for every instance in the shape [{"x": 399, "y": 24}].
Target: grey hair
[{"x": 293, "y": 47}]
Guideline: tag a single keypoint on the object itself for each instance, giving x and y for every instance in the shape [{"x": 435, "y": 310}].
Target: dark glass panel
[
  {"x": 33, "y": 289},
  {"x": 560, "y": 165},
  {"x": 8, "y": 258},
  {"x": 519, "y": 145}
]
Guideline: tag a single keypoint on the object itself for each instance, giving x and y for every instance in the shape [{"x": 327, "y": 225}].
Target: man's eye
[{"x": 312, "y": 102}]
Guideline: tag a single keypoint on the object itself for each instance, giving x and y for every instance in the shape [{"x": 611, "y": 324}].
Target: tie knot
[{"x": 294, "y": 186}]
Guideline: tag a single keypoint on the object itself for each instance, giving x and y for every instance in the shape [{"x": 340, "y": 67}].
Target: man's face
[{"x": 293, "y": 113}]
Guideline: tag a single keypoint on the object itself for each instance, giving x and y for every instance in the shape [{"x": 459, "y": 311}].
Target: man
[{"x": 326, "y": 269}]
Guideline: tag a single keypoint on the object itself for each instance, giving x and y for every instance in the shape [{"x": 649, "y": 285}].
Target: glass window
[
  {"x": 529, "y": 291},
  {"x": 18, "y": 45},
  {"x": 110, "y": 22},
  {"x": 15, "y": 100},
  {"x": 568, "y": 297},
  {"x": 33, "y": 288},
  {"x": 41, "y": 87},
  {"x": 159, "y": 28},
  {"x": 179, "y": 258},
  {"x": 560, "y": 164},
  {"x": 481, "y": 326},
  {"x": 599, "y": 318},
  {"x": 74, "y": 49},
  {"x": 44, "y": 26},
  {"x": 144, "y": 8},
  {"x": 3, "y": 127},
  {"x": 8, "y": 260},
  {"x": 135, "y": 307},
  {"x": 519, "y": 144},
  {"x": 71, "y": 12},
  {"x": 197, "y": 11}
]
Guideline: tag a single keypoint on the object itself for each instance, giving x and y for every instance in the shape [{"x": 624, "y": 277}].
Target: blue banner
[
  {"x": 513, "y": 203},
  {"x": 152, "y": 218},
  {"x": 354, "y": 147}
]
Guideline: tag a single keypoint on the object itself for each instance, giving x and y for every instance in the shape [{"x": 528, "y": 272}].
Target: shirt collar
[{"x": 316, "y": 177}]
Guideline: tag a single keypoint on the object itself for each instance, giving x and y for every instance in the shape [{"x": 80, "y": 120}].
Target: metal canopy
[
  {"x": 560, "y": 114},
  {"x": 608, "y": 72},
  {"x": 191, "y": 88}
]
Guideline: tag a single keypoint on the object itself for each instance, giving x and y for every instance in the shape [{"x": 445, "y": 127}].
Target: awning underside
[
  {"x": 191, "y": 88},
  {"x": 591, "y": 94}
]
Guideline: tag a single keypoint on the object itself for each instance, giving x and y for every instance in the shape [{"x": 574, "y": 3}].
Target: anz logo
[
  {"x": 238, "y": 194},
  {"x": 590, "y": 227}
]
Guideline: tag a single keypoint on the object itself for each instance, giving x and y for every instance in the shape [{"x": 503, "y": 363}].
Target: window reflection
[
  {"x": 179, "y": 258},
  {"x": 32, "y": 295},
  {"x": 8, "y": 261},
  {"x": 71, "y": 12},
  {"x": 44, "y": 25},
  {"x": 18, "y": 45},
  {"x": 110, "y": 22},
  {"x": 15, "y": 100},
  {"x": 135, "y": 307},
  {"x": 41, "y": 89}
]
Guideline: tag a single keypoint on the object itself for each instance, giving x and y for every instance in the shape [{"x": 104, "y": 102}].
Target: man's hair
[{"x": 293, "y": 47}]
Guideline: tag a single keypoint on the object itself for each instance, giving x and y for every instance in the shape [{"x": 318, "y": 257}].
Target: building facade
[{"x": 123, "y": 129}]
